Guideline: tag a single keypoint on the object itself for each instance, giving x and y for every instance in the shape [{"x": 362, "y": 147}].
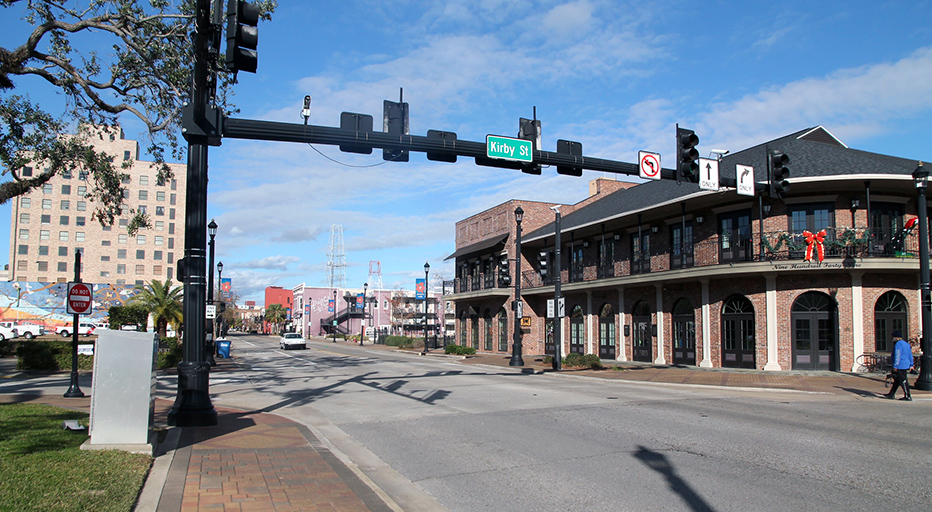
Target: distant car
[
  {"x": 7, "y": 333},
  {"x": 84, "y": 329},
  {"x": 292, "y": 340}
]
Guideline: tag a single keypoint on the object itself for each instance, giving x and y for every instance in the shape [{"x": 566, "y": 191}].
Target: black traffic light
[
  {"x": 543, "y": 262},
  {"x": 504, "y": 271},
  {"x": 778, "y": 186},
  {"x": 529, "y": 129},
  {"x": 686, "y": 155},
  {"x": 242, "y": 36},
  {"x": 395, "y": 122}
]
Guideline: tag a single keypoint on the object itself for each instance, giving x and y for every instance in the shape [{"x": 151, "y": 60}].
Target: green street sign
[{"x": 507, "y": 148}]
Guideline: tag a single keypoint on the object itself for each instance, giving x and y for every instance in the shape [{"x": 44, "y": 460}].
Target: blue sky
[{"x": 615, "y": 76}]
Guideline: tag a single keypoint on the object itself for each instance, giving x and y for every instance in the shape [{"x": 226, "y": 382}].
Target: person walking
[{"x": 902, "y": 359}]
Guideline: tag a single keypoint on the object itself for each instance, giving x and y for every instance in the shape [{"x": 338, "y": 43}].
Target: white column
[
  {"x": 770, "y": 298},
  {"x": 589, "y": 316},
  {"x": 620, "y": 334},
  {"x": 857, "y": 318},
  {"x": 660, "y": 359},
  {"x": 706, "y": 327}
]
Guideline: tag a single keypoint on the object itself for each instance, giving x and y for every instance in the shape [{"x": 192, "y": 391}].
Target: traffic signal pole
[
  {"x": 192, "y": 407},
  {"x": 310, "y": 134}
]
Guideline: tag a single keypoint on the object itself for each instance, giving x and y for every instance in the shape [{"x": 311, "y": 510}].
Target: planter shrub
[
  {"x": 399, "y": 341},
  {"x": 51, "y": 356},
  {"x": 459, "y": 350},
  {"x": 583, "y": 361}
]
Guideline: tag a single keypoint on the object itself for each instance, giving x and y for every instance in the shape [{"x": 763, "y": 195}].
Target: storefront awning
[{"x": 495, "y": 243}]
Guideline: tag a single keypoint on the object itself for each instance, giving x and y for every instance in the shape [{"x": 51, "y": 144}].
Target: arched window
[
  {"x": 464, "y": 328},
  {"x": 815, "y": 332},
  {"x": 489, "y": 330},
  {"x": 502, "y": 330},
  {"x": 642, "y": 334},
  {"x": 890, "y": 313},
  {"x": 576, "y": 330},
  {"x": 684, "y": 332},
  {"x": 607, "y": 332},
  {"x": 738, "y": 333}
]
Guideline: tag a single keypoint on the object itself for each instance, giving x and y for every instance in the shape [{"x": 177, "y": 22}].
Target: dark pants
[{"x": 900, "y": 380}]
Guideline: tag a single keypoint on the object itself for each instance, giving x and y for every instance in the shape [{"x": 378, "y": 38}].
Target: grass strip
[{"x": 42, "y": 467}]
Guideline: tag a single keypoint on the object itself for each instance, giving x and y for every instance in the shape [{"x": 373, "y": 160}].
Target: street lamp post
[
  {"x": 516, "y": 359},
  {"x": 924, "y": 382},
  {"x": 19, "y": 295},
  {"x": 362, "y": 329},
  {"x": 333, "y": 321},
  {"x": 209, "y": 342},
  {"x": 220, "y": 284},
  {"x": 426, "y": 272}
]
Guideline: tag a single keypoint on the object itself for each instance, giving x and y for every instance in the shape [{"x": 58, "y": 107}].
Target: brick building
[
  {"x": 666, "y": 273},
  {"x": 50, "y": 223}
]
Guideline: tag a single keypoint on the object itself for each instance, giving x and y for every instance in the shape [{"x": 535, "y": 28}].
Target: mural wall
[{"x": 44, "y": 303}]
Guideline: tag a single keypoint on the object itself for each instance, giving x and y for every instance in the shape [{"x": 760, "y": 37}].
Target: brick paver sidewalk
[{"x": 261, "y": 462}]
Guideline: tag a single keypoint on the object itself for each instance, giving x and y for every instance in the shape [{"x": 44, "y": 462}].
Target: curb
[{"x": 151, "y": 494}]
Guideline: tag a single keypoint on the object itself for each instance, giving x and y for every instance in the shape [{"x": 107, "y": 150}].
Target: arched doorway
[
  {"x": 607, "y": 332},
  {"x": 890, "y": 314},
  {"x": 815, "y": 332},
  {"x": 489, "y": 330},
  {"x": 641, "y": 338},
  {"x": 577, "y": 330},
  {"x": 684, "y": 333},
  {"x": 464, "y": 328},
  {"x": 738, "y": 333},
  {"x": 475, "y": 331},
  {"x": 502, "y": 330}
]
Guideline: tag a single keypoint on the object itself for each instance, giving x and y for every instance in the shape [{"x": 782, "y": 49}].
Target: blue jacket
[{"x": 902, "y": 355}]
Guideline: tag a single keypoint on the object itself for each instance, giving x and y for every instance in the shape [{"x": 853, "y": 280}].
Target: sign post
[{"x": 80, "y": 301}]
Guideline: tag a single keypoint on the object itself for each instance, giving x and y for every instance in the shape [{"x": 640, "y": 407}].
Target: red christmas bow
[
  {"x": 910, "y": 224},
  {"x": 815, "y": 242}
]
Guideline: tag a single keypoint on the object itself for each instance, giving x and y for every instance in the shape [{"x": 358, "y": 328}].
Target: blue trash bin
[{"x": 223, "y": 348}]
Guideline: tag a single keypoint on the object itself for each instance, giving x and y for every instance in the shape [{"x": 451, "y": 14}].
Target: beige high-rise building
[{"x": 49, "y": 224}]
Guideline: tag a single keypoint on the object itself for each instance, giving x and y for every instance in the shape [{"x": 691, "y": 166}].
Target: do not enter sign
[{"x": 80, "y": 299}]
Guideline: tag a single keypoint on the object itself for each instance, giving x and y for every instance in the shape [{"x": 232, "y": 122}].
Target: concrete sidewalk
[{"x": 265, "y": 462}]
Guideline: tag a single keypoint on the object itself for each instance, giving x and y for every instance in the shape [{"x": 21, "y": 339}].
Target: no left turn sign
[
  {"x": 649, "y": 165},
  {"x": 80, "y": 299}
]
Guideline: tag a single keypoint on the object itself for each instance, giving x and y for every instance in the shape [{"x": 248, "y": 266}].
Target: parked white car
[
  {"x": 84, "y": 329},
  {"x": 26, "y": 330},
  {"x": 7, "y": 333},
  {"x": 292, "y": 340}
]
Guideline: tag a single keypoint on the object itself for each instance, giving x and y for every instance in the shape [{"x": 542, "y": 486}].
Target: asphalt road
[{"x": 485, "y": 438}]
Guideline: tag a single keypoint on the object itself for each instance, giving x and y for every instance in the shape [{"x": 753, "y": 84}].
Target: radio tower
[
  {"x": 375, "y": 275},
  {"x": 336, "y": 258}
]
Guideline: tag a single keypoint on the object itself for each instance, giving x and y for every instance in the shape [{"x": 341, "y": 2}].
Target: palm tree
[
  {"x": 275, "y": 314},
  {"x": 163, "y": 302}
]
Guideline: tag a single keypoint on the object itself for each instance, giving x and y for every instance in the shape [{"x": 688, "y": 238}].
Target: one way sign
[{"x": 708, "y": 174}]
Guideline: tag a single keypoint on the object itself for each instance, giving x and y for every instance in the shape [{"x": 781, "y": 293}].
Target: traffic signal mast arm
[{"x": 311, "y": 134}]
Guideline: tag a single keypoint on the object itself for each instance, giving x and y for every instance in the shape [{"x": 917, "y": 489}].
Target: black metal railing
[{"x": 836, "y": 243}]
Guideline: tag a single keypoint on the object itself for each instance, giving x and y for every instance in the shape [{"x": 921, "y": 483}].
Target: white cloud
[{"x": 855, "y": 102}]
